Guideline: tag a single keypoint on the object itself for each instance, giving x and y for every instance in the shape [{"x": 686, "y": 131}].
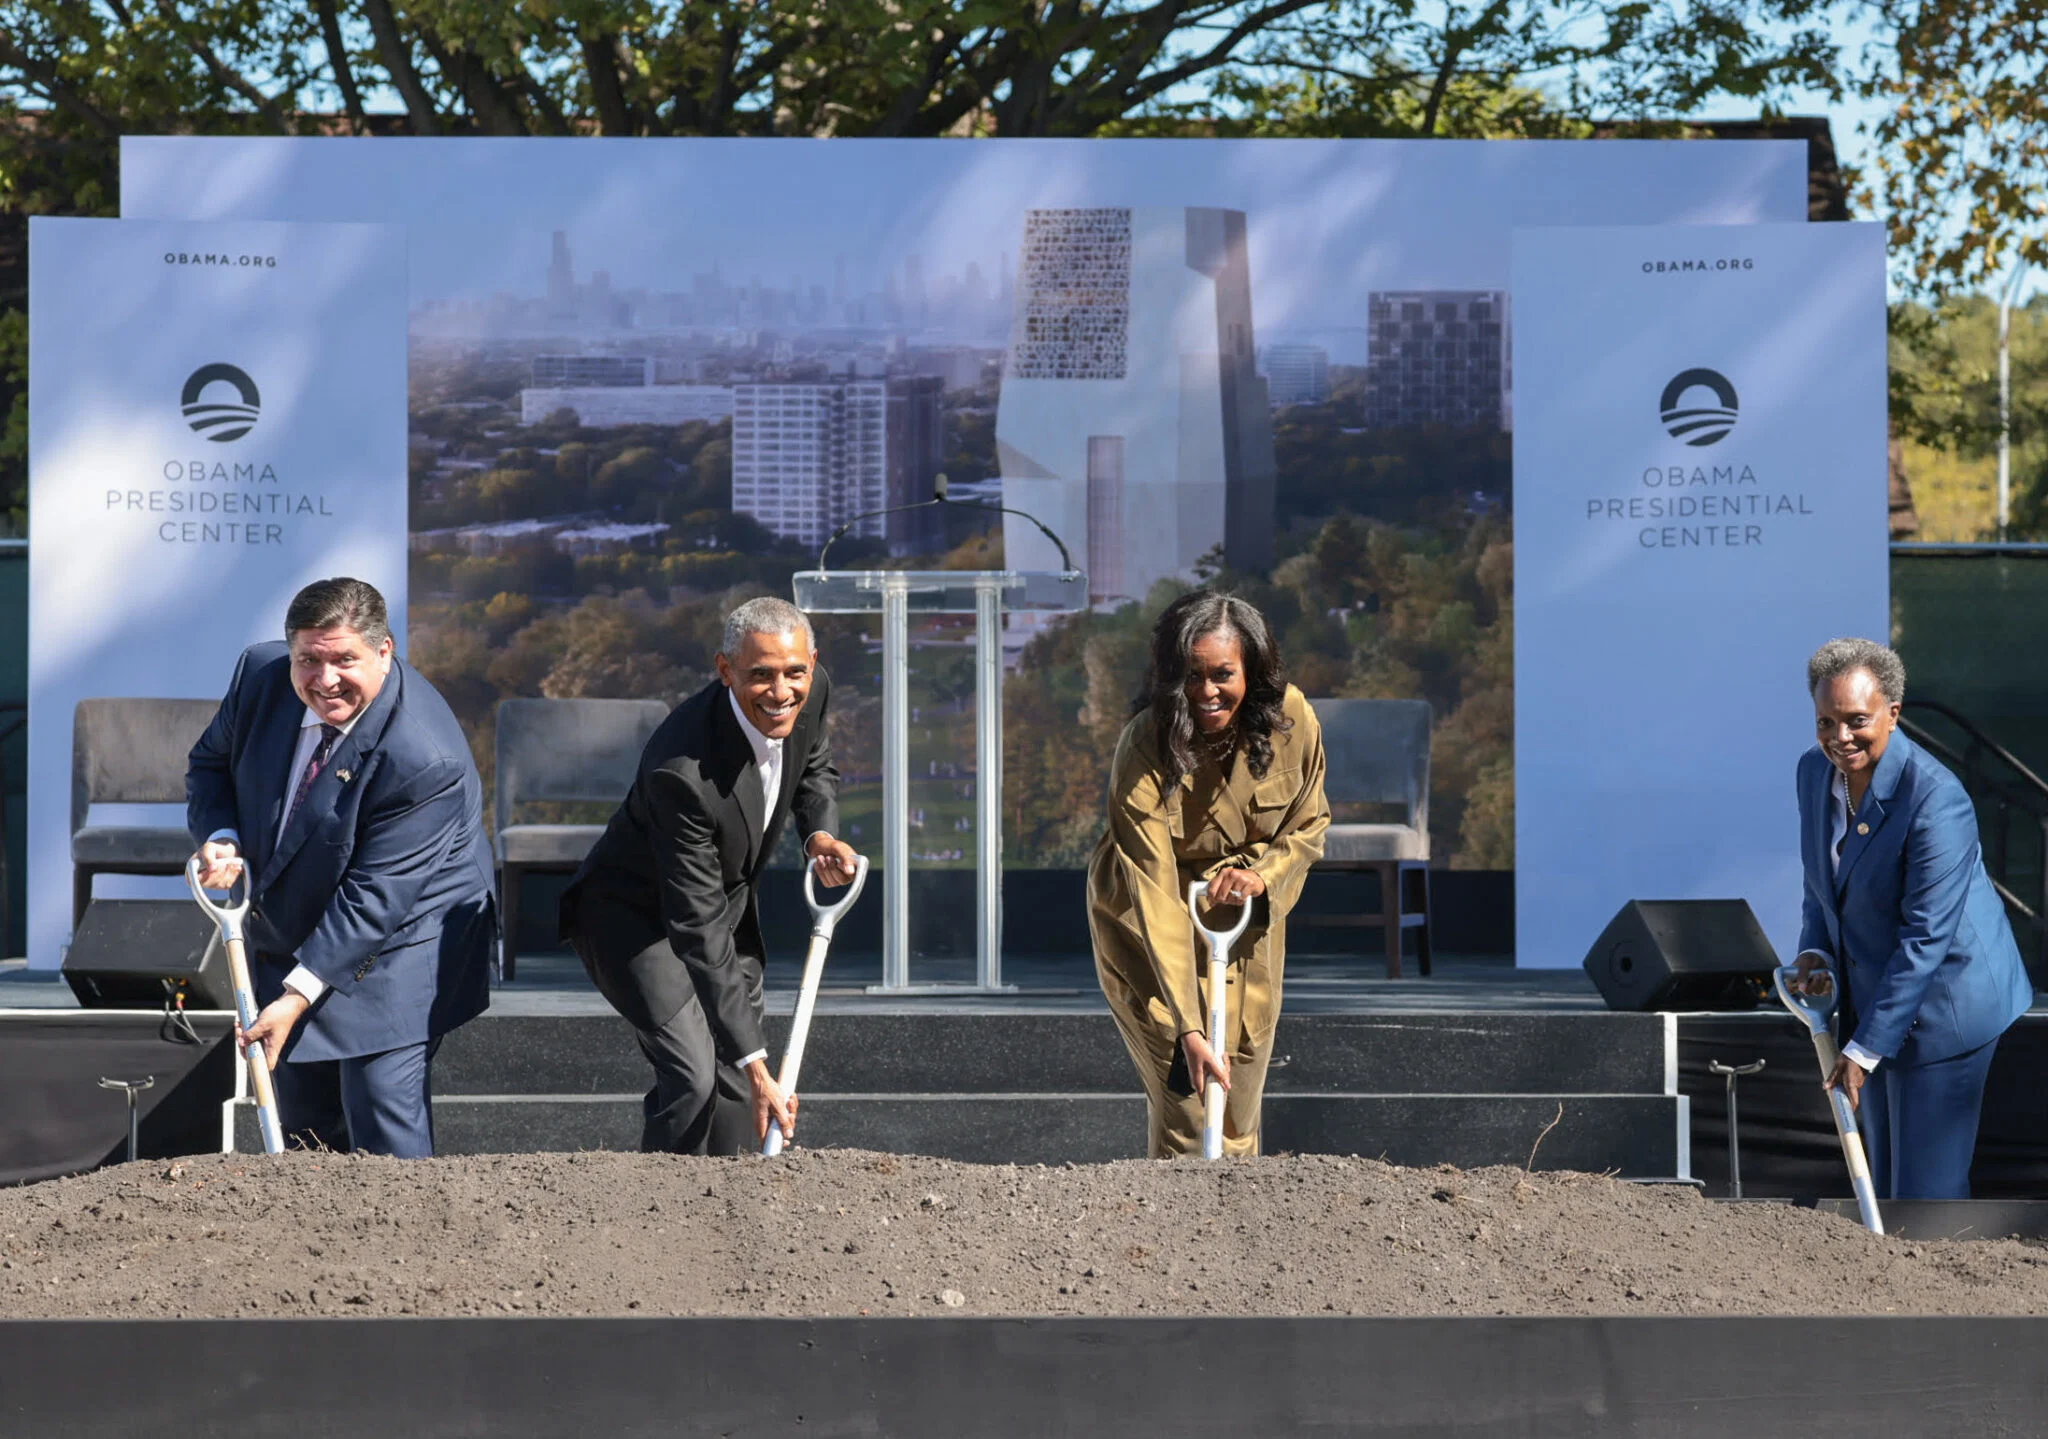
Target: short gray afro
[
  {"x": 1840, "y": 657},
  {"x": 765, "y": 615}
]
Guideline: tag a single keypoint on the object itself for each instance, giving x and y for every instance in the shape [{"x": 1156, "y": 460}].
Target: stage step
[
  {"x": 1050, "y": 1053},
  {"x": 1638, "y": 1136},
  {"x": 1049, "y": 1087}
]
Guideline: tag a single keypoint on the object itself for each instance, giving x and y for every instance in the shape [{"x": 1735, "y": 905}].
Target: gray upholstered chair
[
  {"x": 129, "y": 751},
  {"x": 561, "y": 751},
  {"x": 1378, "y": 754}
]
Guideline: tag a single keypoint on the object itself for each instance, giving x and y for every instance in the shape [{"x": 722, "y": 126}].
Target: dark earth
[{"x": 846, "y": 1233}]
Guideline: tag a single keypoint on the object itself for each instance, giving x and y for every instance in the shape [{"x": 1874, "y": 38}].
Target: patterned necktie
[{"x": 328, "y": 735}]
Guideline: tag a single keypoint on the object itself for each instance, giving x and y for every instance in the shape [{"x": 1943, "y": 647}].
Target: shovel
[
  {"x": 1220, "y": 941},
  {"x": 1815, "y": 1012},
  {"x": 229, "y": 917},
  {"x": 824, "y": 919}
]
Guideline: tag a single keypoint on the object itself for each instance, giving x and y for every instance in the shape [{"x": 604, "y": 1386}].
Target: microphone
[{"x": 939, "y": 497}]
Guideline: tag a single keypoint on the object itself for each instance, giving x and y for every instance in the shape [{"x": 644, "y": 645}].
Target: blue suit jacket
[
  {"x": 1910, "y": 919},
  {"x": 382, "y": 883}
]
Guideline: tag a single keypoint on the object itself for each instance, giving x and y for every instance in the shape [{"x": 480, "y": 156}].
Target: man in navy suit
[
  {"x": 344, "y": 785},
  {"x": 1900, "y": 912}
]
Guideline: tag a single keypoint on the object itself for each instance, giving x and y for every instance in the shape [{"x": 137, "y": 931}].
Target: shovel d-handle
[
  {"x": 228, "y": 917},
  {"x": 1815, "y": 1012},
  {"x": 824, "y": 919},
  {"x": 1219, "y": 941}
]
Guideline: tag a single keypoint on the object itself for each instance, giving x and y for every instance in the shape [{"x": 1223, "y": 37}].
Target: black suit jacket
[{"x": 683, "y": 856}]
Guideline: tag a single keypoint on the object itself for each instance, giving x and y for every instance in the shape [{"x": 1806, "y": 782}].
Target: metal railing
[{"x": 2008, "y": 796}]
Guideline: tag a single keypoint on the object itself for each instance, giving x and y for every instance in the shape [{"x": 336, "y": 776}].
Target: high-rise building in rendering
[
  {"x": 1296, "y": 374},
  {"x": 806, "y": 458},
  {"x": 1436, "y": 357},
  {"x": 561, "y": 278},
  {"x": 913, "y": 445},
  {"x": 1132, "y": 419}
]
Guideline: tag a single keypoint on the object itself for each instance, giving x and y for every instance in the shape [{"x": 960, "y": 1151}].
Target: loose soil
[{"x": 844, "y": 1232}]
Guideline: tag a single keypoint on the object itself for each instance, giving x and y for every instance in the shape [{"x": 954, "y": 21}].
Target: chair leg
[
  {"x": 1422, "y": 944},
  {"x": 1390, "y": 914},
  {"x": 508, "y": 917},
  {"x": 81, "y": 892}
]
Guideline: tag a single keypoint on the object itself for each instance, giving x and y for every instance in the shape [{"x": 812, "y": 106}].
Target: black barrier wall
[{"x": 965, "y": 1378}]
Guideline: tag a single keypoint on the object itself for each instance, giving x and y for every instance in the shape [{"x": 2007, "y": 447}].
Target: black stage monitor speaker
[
  {"x": 137, "y": 953},
  {"x": 1682, "y": 954}
]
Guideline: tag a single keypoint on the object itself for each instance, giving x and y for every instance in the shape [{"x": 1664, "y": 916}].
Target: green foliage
[
  {"x": 1963, "y": 146},
  {"x": 1334, "y": 461},
  {"x": 1944, "y": 365}
]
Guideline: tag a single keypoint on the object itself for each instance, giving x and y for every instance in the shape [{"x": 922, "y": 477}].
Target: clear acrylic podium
[{"x": 985, "y": 594}]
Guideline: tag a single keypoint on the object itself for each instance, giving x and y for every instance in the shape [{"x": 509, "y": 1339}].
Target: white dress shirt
[
  {"x": 301, "y": 980},
  {"x": 1838, "y": 834},
  {"x": 767, "y": 758},
  {"x": 768, "y": 763},
  {"x": 768, "y": 755}
]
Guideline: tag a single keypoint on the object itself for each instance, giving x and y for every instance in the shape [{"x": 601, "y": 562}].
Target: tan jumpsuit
[{"x": 1152, "y": 965}]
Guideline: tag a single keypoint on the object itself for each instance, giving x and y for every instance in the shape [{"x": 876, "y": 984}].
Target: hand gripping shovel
[
  {"x": 229, "y": 917},
  {"x": 1815, "y": 1013},
  {"x": 824, "y": 919},
  {"x": 1220, "y": 941}
]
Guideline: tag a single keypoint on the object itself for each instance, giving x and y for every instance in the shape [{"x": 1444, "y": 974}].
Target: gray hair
[
  {"x": 1840, "y": 657},
  {"x": 340, "y": 603},
  {"x": 764, "y": 616}
]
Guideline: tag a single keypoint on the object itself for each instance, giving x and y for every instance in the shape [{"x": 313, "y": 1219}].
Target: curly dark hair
[{"x": 1185, "y": 622}]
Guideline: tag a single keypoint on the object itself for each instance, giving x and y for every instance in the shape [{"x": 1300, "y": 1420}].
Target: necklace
[
  {"x": 1848, "y": 799},
  {"x": 1220, "y": 745}
]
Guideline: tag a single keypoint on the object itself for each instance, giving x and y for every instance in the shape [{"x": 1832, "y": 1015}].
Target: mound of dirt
[{"x": 843, "y": 1232}]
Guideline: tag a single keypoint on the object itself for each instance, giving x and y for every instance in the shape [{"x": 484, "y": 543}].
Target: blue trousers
[
  {"x": 370, "y": 1104},
  {"x": 1920, "y": 1124}
]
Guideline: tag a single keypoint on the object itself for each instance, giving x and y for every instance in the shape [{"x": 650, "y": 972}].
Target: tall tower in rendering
[
  {"x": 561, "y": 278},
  {"x": 1132, "y": 418}
]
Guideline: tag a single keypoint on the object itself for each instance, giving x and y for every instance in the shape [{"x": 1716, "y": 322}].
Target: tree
[
  {"x": 1944, "y": 365},
  {"x": 1501, "y": 68},
  {"x": 1963, "y": 81}
]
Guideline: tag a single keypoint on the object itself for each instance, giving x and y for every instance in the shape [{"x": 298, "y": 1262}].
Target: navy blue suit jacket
[
  {"x": 1910, "y": 919},
  {"x": 382, "y": 883}
]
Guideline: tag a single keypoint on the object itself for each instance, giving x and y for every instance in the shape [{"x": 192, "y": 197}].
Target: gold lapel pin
[
  {"x": 1860, "y": 829},
  {"x": 342, "y": 775}
]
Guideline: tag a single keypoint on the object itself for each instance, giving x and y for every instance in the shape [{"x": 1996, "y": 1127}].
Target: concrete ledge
[{"x": 963, "y": 1378}]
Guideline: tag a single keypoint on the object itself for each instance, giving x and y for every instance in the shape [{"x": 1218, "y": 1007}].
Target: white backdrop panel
[
  {"x": 1667, "y": 592},
  {"x": 1330, "y": 220},
  {"x": 164, "y": 543}
]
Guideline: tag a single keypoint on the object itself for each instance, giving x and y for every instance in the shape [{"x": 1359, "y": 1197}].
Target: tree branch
[
  {"x": 396, "y": 54},
  {"x": 489, "y": 104},
  {"x": 601, "y": 64},
  {"x": 268, "y": 107},
  {"x": 1139, "y": 90},
  {"x": 52, "y": 85},
  {"x": 337, "y": 60}
]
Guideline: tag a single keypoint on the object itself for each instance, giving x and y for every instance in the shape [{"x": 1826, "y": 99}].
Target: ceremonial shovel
[
  {"x": 1220, "y": 941},
  {"x": 229, "y": 917},
  {"x": 1816, "y": 1012},
  {"x": 824, "y": 919}
]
